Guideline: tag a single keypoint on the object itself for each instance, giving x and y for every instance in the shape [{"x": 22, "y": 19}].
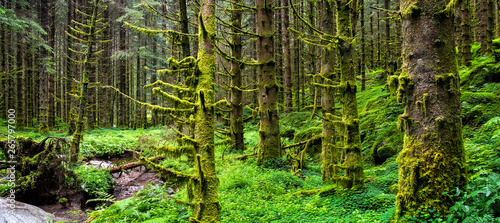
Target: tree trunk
[
  {"x": 485, "y": 27},
  {"x": 3, "y": 68},
  {"x": 206, "y": 206},
  {"x": 270, "y": 143},
  {"x": 122, "y": 79},
  {"x": 43, "y": 118},
  {"x": 19, "y": 86},
  {"x": 387, "y": 53},
  {"x": 236, "y": 81},
  {"x": 50, "y": 75},
  {"x": 84, "y": 82},
  {"x": 330, "y": 154},
  {"x": 363, "y": 53},
  {"x": 352, "y": 161},
  {"x": 432, "y": 161},
  {"x": 287, "y": 65},
  {"x": 465, "y": 35}
]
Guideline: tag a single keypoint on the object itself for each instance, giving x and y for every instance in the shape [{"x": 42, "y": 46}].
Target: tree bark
[
  {"x": 270, "y": 143},
  {"x": 432, "y": 161},
  {"x": 465, "y": 35},
  {"x": 122, "y": 78},
  {"x": 236, "y": 81},
  {"x": 206, "y": 207},
  {"x": 352, "y": 161},
  {"x": 330, "y": 154},
  {"x": 287, "y": 65}
]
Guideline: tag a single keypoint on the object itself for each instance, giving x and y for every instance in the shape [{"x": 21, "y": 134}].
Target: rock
[{"x": 22, "y": 213}]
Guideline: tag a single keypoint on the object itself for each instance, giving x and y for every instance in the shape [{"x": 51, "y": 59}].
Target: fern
[{"x": 102, "y": 197}]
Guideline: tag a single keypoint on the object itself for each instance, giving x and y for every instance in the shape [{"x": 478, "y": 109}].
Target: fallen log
[{"x": 133, "y": 164}]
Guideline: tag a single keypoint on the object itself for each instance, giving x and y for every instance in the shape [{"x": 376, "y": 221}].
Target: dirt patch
[
  {"x": 133, "y": 180},
  {"x": 127, "y": 184}
]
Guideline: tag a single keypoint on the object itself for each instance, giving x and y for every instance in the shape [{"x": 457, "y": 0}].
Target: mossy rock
[
  {"x": 314, "y": 147},
  {"x": 388, "y": 143}
]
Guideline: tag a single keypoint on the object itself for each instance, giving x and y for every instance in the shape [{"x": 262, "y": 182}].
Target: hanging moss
[{"x": 392, "y": 84}]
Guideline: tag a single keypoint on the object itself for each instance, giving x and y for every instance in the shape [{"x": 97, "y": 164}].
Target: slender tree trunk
[
  {"x": 82, "y": 100},
  {"x": 363, "y": 53},
  {"x": 330, "y": 153},
  {"x": 387, "y": 53},
  {"x": 432, "y": 161},
  {"x": 270, "y": 143},
  {"x": 3, "y": 68},
  {"x": 352, "y": 160},
  {"x": 372, "y": 44},
  {"x": 154, "y": 100},
  {"x": 43, "y": 118},
  {"x": 465, "y": 35},
  {"x": 50, "y": 75},
  {"x": 287, "y": 65},
  {"x": 19, "y": 86},
  {"x": 236, "y": 81},
  {"x": 484, "y": 27},
  {"x": 313, "y": 91},
  {"x": 122, "y": 79},
  {"x": 379, "y": 39}
]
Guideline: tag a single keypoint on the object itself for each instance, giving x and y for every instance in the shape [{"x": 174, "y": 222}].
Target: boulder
[{"x": 22, "y": 213}]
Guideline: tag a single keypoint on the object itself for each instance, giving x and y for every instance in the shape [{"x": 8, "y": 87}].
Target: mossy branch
[
  {"x": 171, "y": 175},
  {"x": 157, "y": 91},
  {"x": 177, "y": 151},
  {"x": 164, "y": 84}
]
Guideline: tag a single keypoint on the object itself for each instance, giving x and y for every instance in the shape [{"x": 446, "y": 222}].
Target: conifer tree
[
  {"x": 432, "y": 162},
  {"x": 287, "y": 64},
  {"x": 269, "y": 132},
  {"x": 352, "y": 161},
  {"x": 87, "y": 29},
  {"x": 198, "y": 112}
]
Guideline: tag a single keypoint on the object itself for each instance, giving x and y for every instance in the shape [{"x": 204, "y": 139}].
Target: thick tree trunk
[
  {"x": 432, "y": 162},
  {"x": 270, "y": 143},
  {"x": 352, "y": 161},
  {"x": 206, "y": 201},
  {"x": 287, "y": 65},
  {"x": 330, "y": 154}
]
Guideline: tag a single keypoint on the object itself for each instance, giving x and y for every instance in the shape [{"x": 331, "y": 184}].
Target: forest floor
[{"x": 268, "y": 193}]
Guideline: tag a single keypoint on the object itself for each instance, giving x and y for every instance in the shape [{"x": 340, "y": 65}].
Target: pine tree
[
  {"x": 432, "y": 162},
  {"x": 269, "y": 132}
]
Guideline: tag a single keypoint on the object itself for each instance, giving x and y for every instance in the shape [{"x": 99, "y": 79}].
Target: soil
[{"x": 128, "y": 183}]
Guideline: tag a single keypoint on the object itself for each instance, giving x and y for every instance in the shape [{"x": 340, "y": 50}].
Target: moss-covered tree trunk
[
  {"x": 465, "y": 35},
  {"x": 287, "y": 64},
  {"x": 330, "y": 153},
  {"x": 352, "y": 161},
  {"x": 106, "y": 116},
  {"x": 313, "y": 91},
  {"x": 84, "y": 82},
  {"x": 269, "y": 132},
  {"x": 432, "y": 161},
  {"x": 236, "y": 81},
  {"x": 206, "y": 199},
  {"x": 387, "y": 41},
  {"x": 379, "y": 39}
]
